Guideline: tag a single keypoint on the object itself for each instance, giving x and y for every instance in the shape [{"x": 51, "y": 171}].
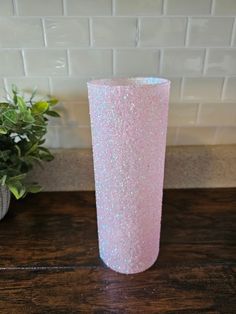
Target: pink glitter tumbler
[{"x": 129, "y": 123}]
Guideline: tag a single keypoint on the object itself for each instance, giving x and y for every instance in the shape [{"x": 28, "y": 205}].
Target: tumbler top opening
[{"x": 131, "y": 82}]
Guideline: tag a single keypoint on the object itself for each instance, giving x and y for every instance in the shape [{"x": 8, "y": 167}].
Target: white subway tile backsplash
[
  {"x": 94, "y": 62},
  {"x": 234, "y": 36},
  {"x": 28, "y": 84},
  {"x": 226, "y": 135},
  {"x": 181, "y": 114},
  {"x": 2, "y": 90},
  {"x": 53, "y": 121},
  {"x": 75, "y": 137},
  {"x": 183, "y": 62},
  {"x": 175, "y": 90},
  {"x": 39, "y": 7},
  {"x": 11, "y": 63},
  {"x": 40, "y": 62},
  {"x": 139, "y": 62},
  {"x": 76, "y": 113},
  {"x": 218, "y": 114},
  {"x": 21, "y": 32},
  {"x": 188, "y": 7},
  {"x": 171, "y": 136},
  {"x": 6, "y": 8},
  {"x": 70, "y": 89},
  {"x": 196, "y": 136},
  {"x": 162, "y": 31},
  {"x": 221, "y": 62},
  {"x": 225, "y": 7},
  {"x": 210, "y": 31},
  {"x": 230, "y": 90},
  {"x": 58, "y": 45},
  {"x": 89, "y": 7},
  {"x": 138, "y": 7},
  {"x": 52, "y": 137},
  {"x": 67, "y": 32},
  {"x": 207, "y": 89},
  {"x": 114, "y": 31}
]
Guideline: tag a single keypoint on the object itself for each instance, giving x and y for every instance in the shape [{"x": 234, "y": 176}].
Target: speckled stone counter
[{"x": 186, "y": 167}]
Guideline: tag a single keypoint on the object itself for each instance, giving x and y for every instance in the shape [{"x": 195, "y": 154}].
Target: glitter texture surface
[{"x": 129, "y": 123}]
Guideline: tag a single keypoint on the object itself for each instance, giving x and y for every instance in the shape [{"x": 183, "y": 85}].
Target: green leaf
[
  {"x": 34, "y": 188},
  {"x": 45, "y": 154},
  {"x": 17, "y": 189},
  {"x": 33, "y": 94},
  {"x": 3, "y": 130},
  {"x": 23, "y": 126},
  {"x": 11, "y": 115},
  {"x": 40, "y": 107},
  {"x": 18, "y": 150},
  {"x": 21, "y": 104},
  {"x": 3, "y": 179},
  {"x": 41, "y": 141},
  {"x": 52, "y": 102},
  {"x": 17, "y": 178},
  {"x": 3, "y": 105},
  {"x": 33, "y": 148},
  {"x": 14, "y": 92},
  {"x": 53, "y": 113},
  {"x": 27, "y": 117}
]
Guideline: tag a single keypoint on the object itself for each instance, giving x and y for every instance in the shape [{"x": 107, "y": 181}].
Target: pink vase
[{"x": 129, "y": 123}]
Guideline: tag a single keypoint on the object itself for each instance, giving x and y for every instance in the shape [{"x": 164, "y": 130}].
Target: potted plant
[{"x": 23, "y": 126}]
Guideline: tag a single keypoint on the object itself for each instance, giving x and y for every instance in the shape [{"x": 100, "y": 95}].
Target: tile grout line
[
  {"x": 205, "y": 61},
  {"x": 215, "y": 136},
  {"x": 68, "y": 62},
  {"x": 233, "y": 33},
  {"x": 44, "y": 32},
  {"x": 161, "y": 56},
  {"x": 15, "y": 8},
  {"x": 138, "y": 28},
  {"x": 222, "y": 97},
  {"x": 64, "y": 8},
  {"x": 113, "y": 8},
  {"x": 187, "y": 33},
  {"x": 118, "y": 47},
  {"x": 90, "y": 32},
  {"x": 182, "y": 85},
  {"x": 88, "y": 77},
  {"x": 212, "y": 10},
  {"x": 124, "y": 16},
  {"x": 199, "y": 109},
  {"x": 164, "y": 7},
  {"x": 24, "y": 62}
]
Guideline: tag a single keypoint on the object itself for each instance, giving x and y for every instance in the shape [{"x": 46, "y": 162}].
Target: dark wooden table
[{"x": 49, "y": 258}]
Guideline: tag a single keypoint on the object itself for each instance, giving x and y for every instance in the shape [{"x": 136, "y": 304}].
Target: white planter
[{"x": 5, "y": 197}]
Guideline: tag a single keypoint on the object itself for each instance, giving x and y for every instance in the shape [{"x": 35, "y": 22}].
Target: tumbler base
[{"x": 122, "y": 270}]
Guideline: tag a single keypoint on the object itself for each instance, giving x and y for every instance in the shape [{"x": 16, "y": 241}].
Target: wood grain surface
[{"x": 49, "y": 260}]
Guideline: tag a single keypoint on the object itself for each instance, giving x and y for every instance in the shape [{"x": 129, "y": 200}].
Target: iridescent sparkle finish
[{"x": 129, "y": 123}]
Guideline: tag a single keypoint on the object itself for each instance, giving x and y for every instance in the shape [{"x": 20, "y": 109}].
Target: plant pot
[
  {"x": 5, "y": 197},
  {"x": 129, "y": 124}
]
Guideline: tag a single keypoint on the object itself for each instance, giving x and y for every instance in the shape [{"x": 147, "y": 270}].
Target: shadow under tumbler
[{"x": 129, "y": 124}]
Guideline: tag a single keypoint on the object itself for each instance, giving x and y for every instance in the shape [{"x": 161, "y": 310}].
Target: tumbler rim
[{"x": 130, "y": 82}]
